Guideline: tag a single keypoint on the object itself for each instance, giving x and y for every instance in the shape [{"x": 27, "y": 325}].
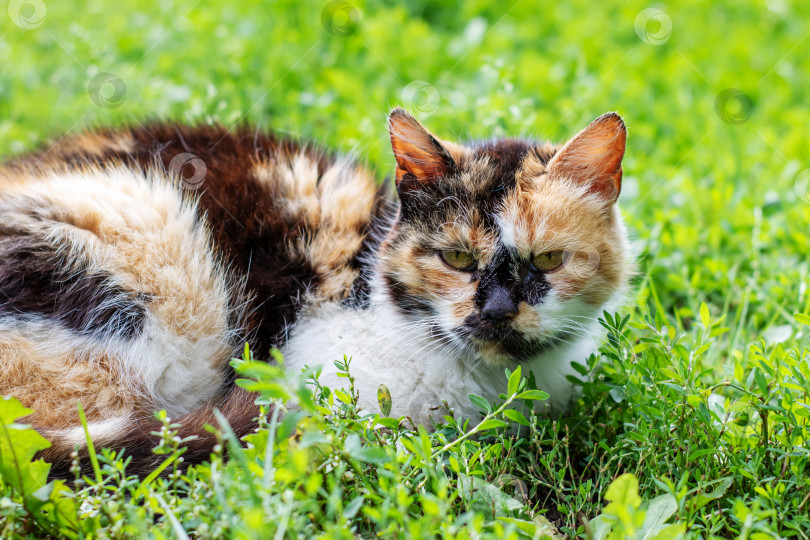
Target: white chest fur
[{"x": 420, "y": 369}]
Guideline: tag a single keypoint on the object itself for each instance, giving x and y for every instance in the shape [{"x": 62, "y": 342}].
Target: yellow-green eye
[
  {"x": 460, "y": 260},
  {"x": 546, "y": 262}
]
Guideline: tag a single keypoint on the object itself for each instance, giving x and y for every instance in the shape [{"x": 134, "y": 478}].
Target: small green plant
[
  {"x": 628, "y": 517},
  {"x": 29, "y": 500},
  {"x": 654, "y": 447},
  {"x": 317, "y": 464}
]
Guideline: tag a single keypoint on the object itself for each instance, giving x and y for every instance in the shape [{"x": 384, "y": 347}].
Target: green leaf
[
  {"x": 351, "y": 509},
  {"x": 618, "y": 394},
  {"x": 625, "y": 502},
  {"x": 237, "y": 453},
  {"x": 514, "y": 382},
  {"x": 493, "y": 451},
  {"x": 477, "y": 489},
  {"x": 492, "y": 423},
  {"x": 424, "y": 440},
  {"x": 704, "y": 498},
  {"x": 312, "y": 438},
  {"x": 704, "y": 315},
  {"x": 384, "y": 399},
  {"x": 673, "y": 532},
  {"x": 539, "y": 527},
  {"x": 390, "y": 423},
  {"x": 289, "y": 424},
  {"x": 259, "y": 370},
  {"x": 624, "y": 491},
  {"x": 371, "y": 455},
  {"x": 50, "y": 504},
  {"x": 537, "y": 395},
  {"x": 481, "y": 403},
  {"x": 802, "y": 318},
  {"x": 739, "y": 373},
  {"x": 516, "y": 416},
  {"x": 268, "y": 390},
  {"x": 144, "y": 487},
  {"x": 762, "y": 383},
  {"x": 720, "y": 489},
  {"x": 18, "y": 446},
  {"x": 778, "y": 334},
  {"x": 600, "y": 528},
  {"x": 343, "y": 396},
  {"x": 61, "y": 508},
  {"x": 659, "y": 510}
]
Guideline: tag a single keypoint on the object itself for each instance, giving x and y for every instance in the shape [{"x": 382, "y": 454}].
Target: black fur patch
[
  {"x": 39, "y": 280},
  {"x": 535, "y": 287},
  {"x": 498, "y": 276},
  {"x": 407, "y": 303},
  {"x": 508, "y": 272},
  {"x": 365, "y": 258},
  {"x": 505, "y": 157},
  {"x": 246, "y": 227},
  {"x": 509, "y": 341}
]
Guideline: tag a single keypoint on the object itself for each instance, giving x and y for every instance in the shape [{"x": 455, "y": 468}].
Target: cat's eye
[
  {"x": 548, "y": 261},
  {"x": 460, "y": 260}
]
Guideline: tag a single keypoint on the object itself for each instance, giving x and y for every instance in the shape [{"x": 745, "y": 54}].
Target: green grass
[{"x": 697, "y": 417}]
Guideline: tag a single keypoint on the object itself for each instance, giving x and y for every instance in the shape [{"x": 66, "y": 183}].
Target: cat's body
[{"x": 135, "y": 263}]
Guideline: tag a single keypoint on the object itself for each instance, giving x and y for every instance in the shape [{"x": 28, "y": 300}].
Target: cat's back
[{"x": 135, "y": 262}]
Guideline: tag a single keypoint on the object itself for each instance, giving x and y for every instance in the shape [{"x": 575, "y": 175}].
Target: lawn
[{"x": 693, "y": 422}]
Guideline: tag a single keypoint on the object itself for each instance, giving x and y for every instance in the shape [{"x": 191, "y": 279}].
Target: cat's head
[{"x": 506, "y": 248}]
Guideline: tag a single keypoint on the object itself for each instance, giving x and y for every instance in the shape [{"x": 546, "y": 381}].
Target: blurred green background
[
  {"x": 715, "y": 97},
  {"x": 716, "y": 189}
]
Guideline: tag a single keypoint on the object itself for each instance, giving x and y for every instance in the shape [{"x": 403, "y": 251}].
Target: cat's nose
[{"x": 499, "y": 307}]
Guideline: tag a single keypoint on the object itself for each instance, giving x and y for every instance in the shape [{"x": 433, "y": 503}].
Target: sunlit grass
[{"x": 706, "y": 407}]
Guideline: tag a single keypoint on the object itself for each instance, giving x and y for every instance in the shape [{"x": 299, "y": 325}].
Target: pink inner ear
[{"x": 594, "y": 156}]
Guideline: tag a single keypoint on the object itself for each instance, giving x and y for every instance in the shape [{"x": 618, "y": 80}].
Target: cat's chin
[
  {"x": 493, "y": 354},
  {"x": 506, "y": 352}
]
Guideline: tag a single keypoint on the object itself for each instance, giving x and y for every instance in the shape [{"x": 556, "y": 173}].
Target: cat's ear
[
  {"x": 594, "y": 156},
  {"x": 421, "y": 158}
]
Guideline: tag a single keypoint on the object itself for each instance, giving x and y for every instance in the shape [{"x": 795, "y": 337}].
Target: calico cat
[{"x": 135, "y": 263}]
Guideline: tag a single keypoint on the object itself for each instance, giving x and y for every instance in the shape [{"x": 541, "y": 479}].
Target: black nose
[{"x": 499, "y": 306}]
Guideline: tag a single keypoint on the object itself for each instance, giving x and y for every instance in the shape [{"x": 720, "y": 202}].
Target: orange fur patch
[
  {"x": 334, "y": 209},
  {"x": 52, "y": 385}
]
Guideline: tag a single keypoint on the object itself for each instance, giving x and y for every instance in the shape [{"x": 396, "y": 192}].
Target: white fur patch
[
  {"x": 420, "y": 368},
  {"x": 100, "y": 432}
]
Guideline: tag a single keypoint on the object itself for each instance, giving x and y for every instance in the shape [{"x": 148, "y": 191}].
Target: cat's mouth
[{"x": 502, "y": 345}]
